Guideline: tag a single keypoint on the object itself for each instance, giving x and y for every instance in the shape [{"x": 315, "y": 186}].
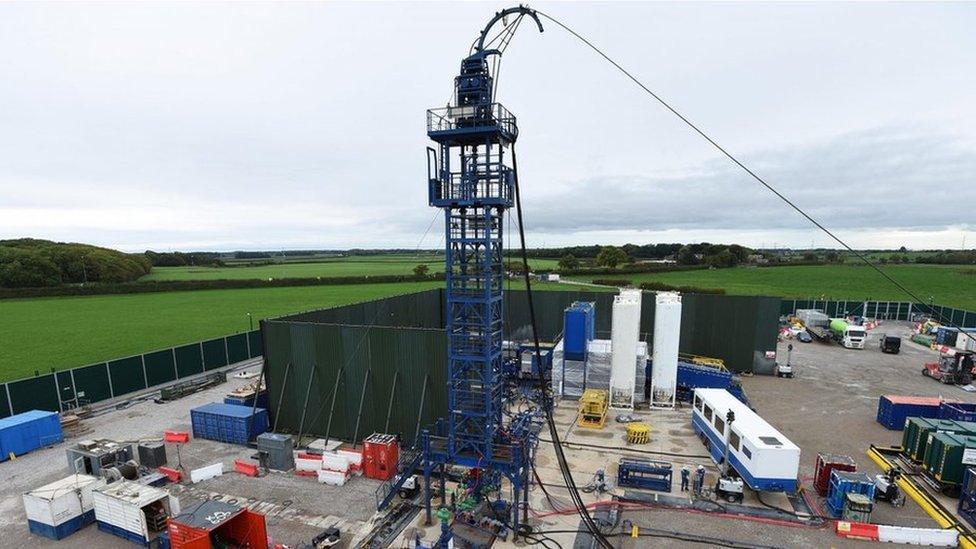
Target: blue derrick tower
[{"x": 471, "y": 178}]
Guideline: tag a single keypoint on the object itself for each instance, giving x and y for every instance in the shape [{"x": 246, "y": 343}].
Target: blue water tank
[
  {"x": 228, "y": 422},
  {"x": 579, "y": 327},
  {"x": 28, "y": 431}
]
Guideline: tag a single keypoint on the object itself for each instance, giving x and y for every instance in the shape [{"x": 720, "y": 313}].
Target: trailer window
[
  {"x": 746, "y": 452},
  {"x": 698, "y": 403},
  {"x": 719, "y": 424},
  {"x": 708, "y": 412},
  {"x": 734, "y": 440}
]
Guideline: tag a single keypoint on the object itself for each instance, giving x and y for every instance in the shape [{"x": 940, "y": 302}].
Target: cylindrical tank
[
  {"x": 667, "y": 333},
  {"x": 625, "y": 333}
]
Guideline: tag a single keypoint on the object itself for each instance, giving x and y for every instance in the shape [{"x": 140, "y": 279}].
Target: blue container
[
  {"x": 228, "y": 422},
  {"x": 843, "y": 483},
  {"x": 62, "y": 530},
  {"x": 894, "y": 410},
  {"x": 134, "y": 537},
  {"x": 946, "y": 336},
  {"x": 28, "y": 431},
  {"x": 958, "y": 411},
  {"x": 579, "y": 328}
]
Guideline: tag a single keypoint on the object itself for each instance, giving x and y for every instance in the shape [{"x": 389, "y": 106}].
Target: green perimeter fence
[
  {"x": 888, "y": 310},
  {"x": 67, "y": 389}
]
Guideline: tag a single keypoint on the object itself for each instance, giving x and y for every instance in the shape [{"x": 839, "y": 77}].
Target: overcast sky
[{"x": 267, "y": 126}]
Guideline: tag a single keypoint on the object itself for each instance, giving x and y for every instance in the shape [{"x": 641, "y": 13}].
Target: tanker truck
[{"x": 848, "y": 335}]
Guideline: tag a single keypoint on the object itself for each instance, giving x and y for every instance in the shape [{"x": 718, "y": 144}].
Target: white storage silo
[
  {"x": 667, "y": 333},
  {"x": 625, "y": 334}
]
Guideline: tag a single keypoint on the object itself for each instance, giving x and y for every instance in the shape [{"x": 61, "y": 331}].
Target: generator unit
[{"x": 96, "y": 457}]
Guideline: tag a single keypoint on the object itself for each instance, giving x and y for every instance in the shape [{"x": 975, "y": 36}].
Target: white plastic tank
[
  {"x": 625, "y": 333},
  {"x": 667, "y": 334}
]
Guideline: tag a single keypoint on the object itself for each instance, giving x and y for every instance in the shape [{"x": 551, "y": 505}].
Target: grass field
[
  {"x": 341, "y": 266},
  {"x": 945, "y": 285},
  {"x": 65, "y": 332}
]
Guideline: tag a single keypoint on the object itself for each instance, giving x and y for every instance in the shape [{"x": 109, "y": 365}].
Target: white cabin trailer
[
  {"x": 764, "y": 458},
  {"x": 63, "y": 507},
  {"x": 133, "y": 511}
]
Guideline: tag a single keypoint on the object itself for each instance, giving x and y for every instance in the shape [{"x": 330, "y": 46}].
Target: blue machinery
[{"x": 470, "y": 177}]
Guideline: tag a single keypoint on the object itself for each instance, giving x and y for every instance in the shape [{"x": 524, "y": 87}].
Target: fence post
[
  {"x": 359, "y": 414},
  {"x": 227, "y": 356},
  {"x": 74, "y": 387},
  {"x": 335, "y": 395},
  {"x": 145, "y": 377},
  {"x": 281, "y": 394},
  {"x": 420, "y": 408},
  {"x": 247, "y": 344},
  {"x": 108, "y": 372},
  {"x": 308, "y": 391},
  {"x": 57, "y": 390},
  {"x": 10, "y": 403},
  {"x": 176, "y": 369},
  {"x": 389, "y": 408},
  {"x": 203, "y": 357}
]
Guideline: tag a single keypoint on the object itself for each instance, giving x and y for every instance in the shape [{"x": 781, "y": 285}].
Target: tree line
[{"x": 34, "y": 263}]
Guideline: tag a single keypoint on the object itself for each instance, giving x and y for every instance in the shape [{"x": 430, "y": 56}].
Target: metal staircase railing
[{"x": 407, "y": 464}]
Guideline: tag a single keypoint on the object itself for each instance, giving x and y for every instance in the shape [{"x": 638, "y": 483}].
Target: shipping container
[
  {"x": 893, "y": 410},
  {"x": 958, "y": 411},
  {"x": 949, "y": 456},
  {"x": 946, "y": 336},
  {"x": 248, "y": 400},
  {"x": 213, "y": 524},
  {"x": 926, "y": 430},
  {"x": 63, "y": 507},
  {"x": 579, "y": 328},
  {"x": 133, "y": 511},
  {"x": 827, "y": 463},
  {"x": 228, "y": 422},
  {"x": 28, "y": 431},
  {"x": 381, "y": 453}
]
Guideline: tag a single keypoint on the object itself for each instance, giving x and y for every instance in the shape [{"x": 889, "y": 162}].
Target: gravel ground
[{"x": 829, "y": 406}]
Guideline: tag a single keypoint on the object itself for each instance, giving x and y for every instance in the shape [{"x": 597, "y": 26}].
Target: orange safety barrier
[
  {"x": 306, "y": 455},
  {"x": 172, "y": 474},
  {"x": 857, "y": 530},
  {"x": 180, "y": 437},
  {"x": 307, "y": 473},
  {"x": 246, "y": 467}
]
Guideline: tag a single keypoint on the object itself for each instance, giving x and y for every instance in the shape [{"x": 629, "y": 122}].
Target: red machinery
[
  {"x": 827, "y": 463},
  {"x": 214, "y": 524},
  {"x": 956, "y": 368},
  {"x": 380, "y": 456}
]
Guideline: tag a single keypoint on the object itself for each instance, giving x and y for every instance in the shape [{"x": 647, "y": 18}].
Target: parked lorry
[
  {"x": 816, "y": 322},
  {"x": 848, "y": 335}
]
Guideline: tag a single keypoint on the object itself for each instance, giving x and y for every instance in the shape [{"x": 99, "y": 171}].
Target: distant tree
[
  {"x": 611, "y": 256},
  {"x": 421, "y": 270},
  {"x": 515, "y": 267},
  {"x": 832, "y": 257},
  {"x": 687, "y": 256},
  {"x": 721, "y": 259},
  {"x": 740, "y": 254},
  {"x": 810, "y": 256},
  {"x": 903, "y": 249},
  {"x": 569, "y": 262}
]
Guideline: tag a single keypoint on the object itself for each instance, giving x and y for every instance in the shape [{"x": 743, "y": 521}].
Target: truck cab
[{"x": 854, "y": 337}]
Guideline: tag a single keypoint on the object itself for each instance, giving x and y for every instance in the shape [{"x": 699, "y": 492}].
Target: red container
[
  {"x": 380, "y": 456},
  {"x": 213, "y": 524},
  {"x": 827, "y": 463}
]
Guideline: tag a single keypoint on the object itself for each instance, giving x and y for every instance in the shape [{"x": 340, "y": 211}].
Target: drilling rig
[{"x": 471, "y": 176}]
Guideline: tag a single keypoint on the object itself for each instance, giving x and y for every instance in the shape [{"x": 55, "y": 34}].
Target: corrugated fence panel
[
  {"x": 4, "y": 403},
  {"x": 35, "y": 393},
  {"x": 189, "y": 359},
  {"x": 236, "y": 348},
  {"x": 255, "y": 343},
  {"x": 214, "y": 354},
  {"x": 127, "y": 375},
  {"x": 92, "y": 383},
  {"x": 160, "y": 367}
]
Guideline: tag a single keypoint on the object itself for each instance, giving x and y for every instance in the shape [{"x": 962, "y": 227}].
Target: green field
[
  {"x": 331, "y": 267},
  {"x": 944, "y": 285},
  {"x": 65, "y": 332}
]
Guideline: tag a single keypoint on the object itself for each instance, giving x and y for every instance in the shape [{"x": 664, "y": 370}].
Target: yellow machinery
[
  {"x": 593, "y": 409},
  {"x": 638, "y": 432},
  {"x": 716, "y": 363}
]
